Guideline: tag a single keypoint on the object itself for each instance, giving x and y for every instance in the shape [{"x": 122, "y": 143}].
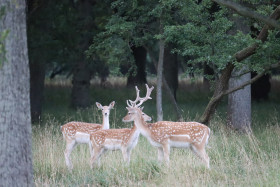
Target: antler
[
  {"x": 138, "y": 98},
  {"x": 133, "y": 103}
]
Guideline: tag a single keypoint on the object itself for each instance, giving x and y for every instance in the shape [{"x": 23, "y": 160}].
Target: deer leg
[
  {"x": 90, "y": 149},
  {"x": 160, "y": 154},
  {"x": 95, "y": 157},
  {"x": 70, "y": 144},
  {"x": 201, "y": 153},
  {"x": 166, "y": 150},
  {"x": 126, "y": 156}
]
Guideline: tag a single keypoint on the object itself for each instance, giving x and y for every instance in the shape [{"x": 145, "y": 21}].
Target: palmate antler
[{"x": 138, "y": 98}]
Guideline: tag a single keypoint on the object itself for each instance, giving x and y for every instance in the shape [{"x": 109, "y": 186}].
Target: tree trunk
[
  {"x": 170, "y": 70},
  {"x": 159, "y": 80},
  {"x": 239, "y": 103},
  {"x": 37, "y": 80},
  {"x": 220, "y": 87},
  {"x": 15, "y": 122},
  {"x": 140, "y": 55},
  {"x": 261, "y": 88},
  {"x": 80, "y": 96},
  {"x": 168, "y": 90},
  {"x": 208, "y": 75}
]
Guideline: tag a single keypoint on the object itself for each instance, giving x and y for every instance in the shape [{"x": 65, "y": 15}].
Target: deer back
[{"x": 194, "y": 131}]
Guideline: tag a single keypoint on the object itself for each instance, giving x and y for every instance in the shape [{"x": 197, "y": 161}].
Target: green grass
[{"x": 235, "y": 159}]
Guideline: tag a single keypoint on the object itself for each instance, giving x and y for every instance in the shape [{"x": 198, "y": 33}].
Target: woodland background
[{"x": 216, "y": 62}]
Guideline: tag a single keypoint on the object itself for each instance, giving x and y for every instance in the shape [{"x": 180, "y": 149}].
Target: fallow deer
[
  {"x": 118, "y": 139},
  {"x": 76, "y": 133},
  {"x": 167, "y": 134}
]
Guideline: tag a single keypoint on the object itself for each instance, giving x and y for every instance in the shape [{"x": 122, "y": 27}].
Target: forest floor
[{"x": 235, "y": 159}]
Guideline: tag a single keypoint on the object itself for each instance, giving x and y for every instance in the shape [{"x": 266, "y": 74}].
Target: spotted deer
[
  {"x": 167, "y": 134},
  {"x": 76, "y": 133},
  {"x": 118, "y": 139}
]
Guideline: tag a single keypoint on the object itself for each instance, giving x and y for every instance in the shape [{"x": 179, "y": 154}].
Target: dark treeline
[{"x": 85, "y": 39}]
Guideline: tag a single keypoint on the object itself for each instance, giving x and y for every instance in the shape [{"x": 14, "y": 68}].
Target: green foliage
[
  {"x": 3, "y": 36},
  {"x": 112, "y": 45},
  {"x": 267, "y": 53},
  {"x": 59, "y": 33},
  {"x": 52, "y": 35},
  {"x": 196, "y": 30},
  {"x": 207, "y": 40},
  {"x": 134, "y": 23}
]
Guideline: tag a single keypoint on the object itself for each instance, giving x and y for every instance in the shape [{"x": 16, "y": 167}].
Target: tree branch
[
  {"x": 244, "y": 11},
  {"x": 251, "y": 81},
  {"x": 222, "y": 83},
  {"x": 241, "y": 74},
  {"x": 248, "y": 51}
]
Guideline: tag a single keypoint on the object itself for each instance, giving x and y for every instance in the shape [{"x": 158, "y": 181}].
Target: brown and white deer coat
[
  {"x": 167, "y": 134},
  {"x": 76, "y": 133},
  {"x": 115, "y": 139},
  {"x": 118, "y": 139}
]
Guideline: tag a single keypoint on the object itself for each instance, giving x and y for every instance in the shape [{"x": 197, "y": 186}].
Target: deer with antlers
[
  {"x": 76, "y": 133},
  {"x": 167, "y": 134},
  {"x": 118, "y": 139}
]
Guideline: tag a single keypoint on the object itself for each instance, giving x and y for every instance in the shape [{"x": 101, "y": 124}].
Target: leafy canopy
[{"x": 198, "y": 30}]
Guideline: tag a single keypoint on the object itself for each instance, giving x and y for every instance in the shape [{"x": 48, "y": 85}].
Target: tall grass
[{"x": 235, "y": 159}]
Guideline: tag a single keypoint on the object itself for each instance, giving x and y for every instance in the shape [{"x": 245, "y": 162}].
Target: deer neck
[
  {"x": 134, "y": 127},
  {"x": 139, "y": 123},
  {"x": 106, "y": 124},
  {"x": 134, "y": 130}
]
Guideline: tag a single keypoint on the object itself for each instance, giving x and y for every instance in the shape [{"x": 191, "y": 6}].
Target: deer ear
[
  {"x": 99, "y": 105},
  {"x": 112, "y": 104},
  {"x": 141, "y": 108}
]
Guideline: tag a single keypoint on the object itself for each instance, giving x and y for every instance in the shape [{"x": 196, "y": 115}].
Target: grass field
[{"x": 235, "y": 159}]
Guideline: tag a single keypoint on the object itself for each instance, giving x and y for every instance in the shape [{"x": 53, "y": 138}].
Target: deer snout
[{"x": 125, "y": 119}]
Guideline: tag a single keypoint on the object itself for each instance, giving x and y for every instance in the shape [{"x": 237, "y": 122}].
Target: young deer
[
  {"x": 76, "y": 133},
  {"x": 117, "y": 139},
  {"x": 167, "y": 134}
]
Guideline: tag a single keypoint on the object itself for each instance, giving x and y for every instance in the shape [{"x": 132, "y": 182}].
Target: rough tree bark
[
  {"x": 222, "y": 84},
  {"x": 239, "y": 102},
  {"x": 159, "y": 80},
  {"x": 15, "y": 122}
]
